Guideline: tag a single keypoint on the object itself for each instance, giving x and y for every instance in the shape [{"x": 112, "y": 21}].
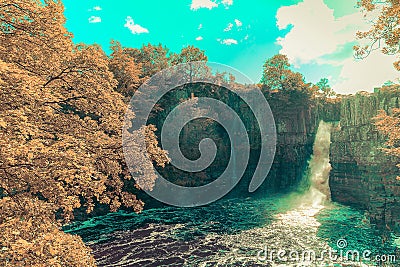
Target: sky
[{"x": 316, "y": 35}]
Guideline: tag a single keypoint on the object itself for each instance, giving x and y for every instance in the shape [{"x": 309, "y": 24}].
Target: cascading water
[
  {"x": 317, "y": 193},
  {"x": 298, "y": 227},
  {"x": 237, "y": 232},
  {"x": 312, "y": 200},
  {"x": 319, "y": 166}
]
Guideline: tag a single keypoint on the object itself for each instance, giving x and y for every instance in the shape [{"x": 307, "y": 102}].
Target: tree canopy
[
  {"x": 384, "y": 33},
  {"x": 277, "y": 75},
  {"x": 324, "y": 88},
  {"x": 60, "y": 121},
  {"x": 188, "y": 54},
  {"x": 151, "y": 58}
]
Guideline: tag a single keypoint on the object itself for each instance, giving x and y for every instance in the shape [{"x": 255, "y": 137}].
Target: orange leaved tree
[
  {"x": 390, "y": 126},
  {"x": 60, "y": 136},
  {"x": 384, "y": 34}
]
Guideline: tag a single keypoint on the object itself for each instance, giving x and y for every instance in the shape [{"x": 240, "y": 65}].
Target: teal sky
[{"x": 239, "y": 33}]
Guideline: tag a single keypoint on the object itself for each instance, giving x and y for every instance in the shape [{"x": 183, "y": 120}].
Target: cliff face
[
  {"x": 362, "y": 175},
  {"x": 296, "y": 125},
  {"x": 296, "y": 120}
]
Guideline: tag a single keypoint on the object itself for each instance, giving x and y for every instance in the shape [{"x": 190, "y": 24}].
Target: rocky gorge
[{"x": 362, "y": 175}]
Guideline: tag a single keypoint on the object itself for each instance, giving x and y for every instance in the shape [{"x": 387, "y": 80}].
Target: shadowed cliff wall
[{"x": 362, "y": 175}]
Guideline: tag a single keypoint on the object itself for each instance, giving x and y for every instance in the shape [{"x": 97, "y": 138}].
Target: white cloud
[
  {"x": 196, "y": 4},
  {"x": 199, "y": 38},
  {"x": 94, "y": 19},
  {"x": 227, "y": 3},
  {"x": 238, "y": 23},
  {"x": 317, "y": 35},
  {"x": 210, "y": 4},
  {"x": 95, "y": 8},
  {"x": 315, "y": 30},
  {"x": 200, "y": 26},
  {"x": 228, "y": 41},
  {"x": 134, "y": 28},
  {"x": 229, "y": 27},
  {"x": 366, "y": 74}
]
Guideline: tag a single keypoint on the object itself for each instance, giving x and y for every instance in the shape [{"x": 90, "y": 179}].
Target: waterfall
[
  {"x": 319, "y": 168},
  {"x": 311, "y": 201}
]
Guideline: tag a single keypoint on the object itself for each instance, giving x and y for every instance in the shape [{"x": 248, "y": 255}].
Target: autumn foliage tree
[
  {"x": 277, "y": 75},
  {"x": 279, "y": 80},
  {"x": 384, "y": 33},
  {"x": 275, "y": 71},
  {"x": 126, "y": 71},
  {"x": 390, "y": 125},
  {"x": 132, "y": 67},
  {"x": 188, "y": 54},
  {"x": 60, "y": 121},
  {"x": 324, "y": 88},
  {"x": 151, "y": 58}
]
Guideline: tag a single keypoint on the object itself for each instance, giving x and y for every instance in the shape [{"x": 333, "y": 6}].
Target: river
[{"x": 300, "y": 228}]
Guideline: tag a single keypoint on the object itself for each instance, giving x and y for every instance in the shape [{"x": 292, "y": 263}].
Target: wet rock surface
[{"x": 362, "y": 174}]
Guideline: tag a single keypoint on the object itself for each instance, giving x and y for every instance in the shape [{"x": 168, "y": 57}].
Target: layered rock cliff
[
  {"x": 296, "y": 118},
  {"x": 296, "y": 129},
  {"x": 362, "y": 174}
]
